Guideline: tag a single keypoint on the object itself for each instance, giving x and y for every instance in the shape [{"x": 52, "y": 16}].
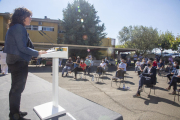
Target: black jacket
[{"x": 152, "y": 74}]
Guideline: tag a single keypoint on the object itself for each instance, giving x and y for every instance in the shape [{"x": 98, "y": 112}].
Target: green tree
[
  {"x": 82, "y": 25},
  {"x": 139, "y": 37},
  {"x": 167, "y": 41}
]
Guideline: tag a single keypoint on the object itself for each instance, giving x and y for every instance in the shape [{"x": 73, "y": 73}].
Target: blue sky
[{"x": 161, "y": 14}]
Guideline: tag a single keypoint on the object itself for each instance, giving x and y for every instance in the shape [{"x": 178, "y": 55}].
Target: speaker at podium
[{"x": 52, "y": 108}]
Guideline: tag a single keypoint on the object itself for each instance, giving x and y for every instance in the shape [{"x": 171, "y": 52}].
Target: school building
[{"x": 54, "y": 32}]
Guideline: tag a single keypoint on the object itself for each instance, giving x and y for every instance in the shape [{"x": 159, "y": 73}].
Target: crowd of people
[{"x": 147, "y": 70}]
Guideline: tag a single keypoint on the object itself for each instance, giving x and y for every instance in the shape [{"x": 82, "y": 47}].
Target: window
[
  {"x": 48, "y": 28},
  {"x": 34, "y": 27},
  {"x": 40, "y": 23}
]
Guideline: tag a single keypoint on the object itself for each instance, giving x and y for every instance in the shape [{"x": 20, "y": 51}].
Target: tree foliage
[
  {"x": 168, "y": 41},
  {"x": 139, "y": 37},
  {"x": 80, "y": 19}
]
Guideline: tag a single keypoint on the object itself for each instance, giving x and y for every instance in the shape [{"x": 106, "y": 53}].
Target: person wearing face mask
[
  {"x": 148, "y": 77},
  {"x": 175, "y": 66},
  {"x": 76, "y": 64},
  {"x": 122, "y": 66},
  {"x": 155, "y": 63},
  {"x": 67, "y": 67},
  {"x": 82, "y": 67},
  {"x": 106, "y": 61},
  {"x": 160, "y": 66},
  {"x": 88, "y": 63},
  {"x": 142, "y": 66},
  {"x": 137, "y": 67},
  {"x": 103, "y": 65}
]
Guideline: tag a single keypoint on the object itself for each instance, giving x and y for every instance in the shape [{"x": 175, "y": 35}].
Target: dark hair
[{"x": 19, "y": 16}]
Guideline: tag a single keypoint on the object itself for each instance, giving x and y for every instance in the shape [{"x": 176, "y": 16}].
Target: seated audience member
[
  {"x": 170, "y": 59},
  {"x": 103, "y": 65},
  {"x": 174, "y": 80},
  {"x": 106, "y": 61},
  {"x": 82, "y": 67},
  {"x": 76, "y": 64},
  {"x": 122, "y": 66},
  {"x": 160, "y": 66},
  {"x": 169, "y": 68},
  {"x": 155, "y": 63},
  {"x": 175, "y": 66},
  {"x": 137, "y": 65},
  {"x": 68, "y": 66},
  {"x": 146, "y": 58},
  {"x": 142, "y": 66},
  {"x": 148, "y": 77},
  {"x": 88, "y": 65}
]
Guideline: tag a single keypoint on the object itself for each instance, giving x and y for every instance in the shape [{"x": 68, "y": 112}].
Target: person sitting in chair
[
  {"x": 174, "y": 80},
  {"x": 160, "y": 66},
  {"x": 88, "y": 63},
  {"x": 106, "y": 61},
  {"x": 82, "y": 67},
  {"x": 102, "y": 65},
  {"x": 175, "y": 66},
  {"x": 67, "y": 67},
  {"x": 142, "y": 66},
  {"x": 148, "y": 77},
  {"x": 121, "y": 66},
  {"x": 76, "y": 64}
]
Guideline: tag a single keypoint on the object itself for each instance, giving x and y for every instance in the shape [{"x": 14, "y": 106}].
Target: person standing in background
[
  {"x": 4, "y": 67},
  {"x": 20, "y": 50},
  {"x": 140, "y": 58}
]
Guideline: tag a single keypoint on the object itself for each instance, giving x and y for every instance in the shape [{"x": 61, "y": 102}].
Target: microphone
[{"x": 46, "y": 38}]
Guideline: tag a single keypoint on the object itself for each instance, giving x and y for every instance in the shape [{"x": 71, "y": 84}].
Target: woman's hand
[{"x": 42, "y": 52}]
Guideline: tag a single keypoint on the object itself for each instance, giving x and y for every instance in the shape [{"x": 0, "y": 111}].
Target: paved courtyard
[{"x": 160, "y": 106}]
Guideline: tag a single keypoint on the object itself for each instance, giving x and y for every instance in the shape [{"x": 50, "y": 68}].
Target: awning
[{"x": 46, "y": 46}]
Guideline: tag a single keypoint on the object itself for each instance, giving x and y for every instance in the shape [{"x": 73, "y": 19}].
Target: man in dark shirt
[{"x": 67, "y": 67}]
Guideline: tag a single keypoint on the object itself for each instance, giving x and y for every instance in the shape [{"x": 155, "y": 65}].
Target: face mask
[
  {"x": 174, "y": 64},
  {"x": 86, "y": 59},
  {"x": 142, "y": 62},
  {"x": 102, "y": 61},
  {"x": 81, "y": 60},
  {"x": 149, "y": 65},
  {"x": 105, "y": 59}
]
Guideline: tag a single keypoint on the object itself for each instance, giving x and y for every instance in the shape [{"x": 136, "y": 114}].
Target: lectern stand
[{"x": 52, "y": 109}]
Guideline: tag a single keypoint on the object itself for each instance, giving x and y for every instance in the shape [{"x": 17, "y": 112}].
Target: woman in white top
[{"x": 4, "y": 67}]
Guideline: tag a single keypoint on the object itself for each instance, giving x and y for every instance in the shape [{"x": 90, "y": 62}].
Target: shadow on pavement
[
  {"x": 156, "y": 100},
  {"x": 123, "y": 89},
  {"x": 100, "y": 83},
  {"x": 128, "y": 82}
]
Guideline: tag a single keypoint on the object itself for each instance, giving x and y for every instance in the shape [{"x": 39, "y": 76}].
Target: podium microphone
[{"x": 46, "y": 38}]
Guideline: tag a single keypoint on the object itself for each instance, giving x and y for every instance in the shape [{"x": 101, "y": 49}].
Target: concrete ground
[{"x": 160, "y": 106}]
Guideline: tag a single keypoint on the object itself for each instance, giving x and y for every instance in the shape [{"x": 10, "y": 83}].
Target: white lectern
[{"x": 52, "y": 109}]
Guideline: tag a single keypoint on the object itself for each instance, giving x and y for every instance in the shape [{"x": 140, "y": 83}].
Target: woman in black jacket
[{"x": 148, "y": 77}]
